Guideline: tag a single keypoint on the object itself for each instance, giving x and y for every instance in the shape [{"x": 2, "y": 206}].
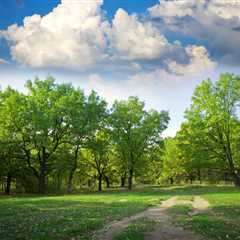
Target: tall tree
[
  {"x": 173, "y": 161},
  {"x": 85, "y": 117},
  {"x": 12, "y": 105},
  {"x": 45, "y": 125},
  {"x": 134, "y": 131},
  {"x": 99, "y": 158},
  {"x": 214, "y": 120}
]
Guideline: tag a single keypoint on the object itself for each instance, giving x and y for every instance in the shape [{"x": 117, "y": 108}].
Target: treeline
[
  {"x": 207, "y": 147},
  {"x": 55, "y": 137}
]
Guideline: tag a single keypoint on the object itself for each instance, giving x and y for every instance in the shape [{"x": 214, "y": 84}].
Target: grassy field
[
  {"x": 78, "y": 216},
  {"x": 66, "y": 217},
  {"x": 222, "y": 222}
]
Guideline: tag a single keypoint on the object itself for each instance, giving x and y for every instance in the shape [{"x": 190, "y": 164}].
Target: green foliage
[
  {"x": 208, "y": 140},
  {"x": 215, "y": 124},
  {"x": 173, "y": 161},
  {"x": 56, "y": 136},
  {"x": 135, "y": 132}
]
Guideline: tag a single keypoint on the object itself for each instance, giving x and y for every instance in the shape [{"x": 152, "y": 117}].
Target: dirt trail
[{"x": 166, "y": 230}]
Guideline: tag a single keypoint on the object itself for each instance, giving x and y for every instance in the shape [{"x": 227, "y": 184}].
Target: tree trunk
[
  {"x": 70, "y": 180},
  {"x": 237, "y": 180},
  {"x": 123, "y": 180},
  {"x": 89, "y": 183},
  {"x": 171, "y": 181},
  {"x": 8, "y": 186},
  {"x": 191, "y": 180},
  {"x": 72, "y": 171},
  {"x": 107, "y": 182},
  {"x": 130, "y": 179},
  {"x": 199, "y": 176},
  {"x": 59, "y": 181},
  {"x": 100, "y": 182},
  {"x": 234, "y": 173},
  {"x": 42, "y": 177}
]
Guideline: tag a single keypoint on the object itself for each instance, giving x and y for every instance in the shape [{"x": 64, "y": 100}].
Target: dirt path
[{"x": 166, "y": 230}]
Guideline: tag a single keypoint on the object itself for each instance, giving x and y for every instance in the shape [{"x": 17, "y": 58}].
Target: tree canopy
[{"x": 55, "y": 134}]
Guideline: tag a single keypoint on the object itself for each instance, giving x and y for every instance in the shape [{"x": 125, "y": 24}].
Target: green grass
[
  {"x": 180, "y": 210},
  {"x": 136, "y": 230},
  {"x": 221, "y": 222},
  {"x": 65, "y": 217},
  {"x": 78, "y": 216}
]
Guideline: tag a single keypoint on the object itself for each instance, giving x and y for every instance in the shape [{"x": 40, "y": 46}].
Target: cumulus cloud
[
  {"x": 72, "y": 35},
  {"x": 199, "y": 62},
  {"x": 214, "y": 21},
  {"x": 145, "y": 83},
  {"x": 224, "y": 8},
  {"x": 174, "y": 8},
  {"x": 136, "y": 40},
  {"x": 76, "y": 35},
  {"x": 169, "y": 9}
]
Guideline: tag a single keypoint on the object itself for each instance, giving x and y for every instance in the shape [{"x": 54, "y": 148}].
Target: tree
[
  {"x": 99, "y": 158},
  {"x": 85, "y": 117},
  {"x": 134, "y": 131},
  {"x": 173, "y": 162},
  {"x": 213, "y": 122},
  {"x": 44, "y": 125},
  {"x": 11, "y": 109}
]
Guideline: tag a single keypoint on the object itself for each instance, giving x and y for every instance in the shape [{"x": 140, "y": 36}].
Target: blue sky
[{"x": 157, "y": 50}]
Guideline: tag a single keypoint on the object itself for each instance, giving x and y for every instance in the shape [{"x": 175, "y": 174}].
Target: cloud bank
[
  {"x": 216, "y": 22},
  {"x": 76, "y": 35}
]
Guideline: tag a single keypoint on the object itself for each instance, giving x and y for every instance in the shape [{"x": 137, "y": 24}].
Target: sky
[{"x": 156, "y": 50}]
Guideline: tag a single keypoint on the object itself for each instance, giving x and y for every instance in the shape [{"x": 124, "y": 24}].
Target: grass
[
  {"x": 221, "y": 222},
  {"x": 180, "y": 210},
  {"x": 136, "y": 230},
  {"x": 78, "y": 216},
  {"x": 67, "y": 217}
]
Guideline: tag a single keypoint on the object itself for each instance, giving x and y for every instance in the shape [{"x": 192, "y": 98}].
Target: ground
[{"x": 151, "y": 213}]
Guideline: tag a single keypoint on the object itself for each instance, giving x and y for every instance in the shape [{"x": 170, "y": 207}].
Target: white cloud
[
  {"x": 147, "y": 84},
  {"x": 215, "y": 21},
  {"x": 2, "y": 61},
  {"x": 76, "y": 35},
  {"x": 72, "y": 35},
  {"x": 224, "y": 8},
  {"x": 136, "y": 40},
  {"x": 199, "y": 62},
  {"x": 174, "y": 8}
]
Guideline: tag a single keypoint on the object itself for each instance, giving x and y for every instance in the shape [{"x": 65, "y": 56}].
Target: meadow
[{"x": 80, "y": 216}]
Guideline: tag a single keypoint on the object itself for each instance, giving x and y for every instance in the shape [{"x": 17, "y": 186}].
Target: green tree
[
  {"x": 134, "y": 131},
  {"x": 99, "y": 157},
  {"x": 173, "y": 161},
  {"x": 11, "y": 109},
  {"x": 44, "y": 125},
  {"x": 213, "y": 123},
  {"x": 85, "y": 117}
]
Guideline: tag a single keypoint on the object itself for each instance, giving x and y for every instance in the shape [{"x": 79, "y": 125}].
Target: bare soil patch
[{"x": 165, "y": 230}]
